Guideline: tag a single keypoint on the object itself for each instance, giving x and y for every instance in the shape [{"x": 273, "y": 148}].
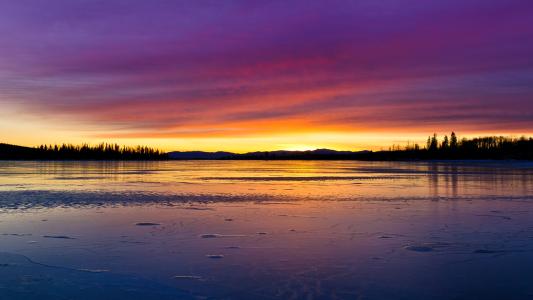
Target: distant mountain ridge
[
  {"x": 199, "y": 155},
  {"x": 481, "y": 148},
  {"x": 278, "y": 154},
  {"x": 9, "y": 151}
]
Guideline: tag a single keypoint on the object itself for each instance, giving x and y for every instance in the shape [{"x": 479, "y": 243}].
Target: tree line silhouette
[
  {"x": 490, "y": 147},
  {"x": 447, "y": 148},
  {"x": 101, "y": 151}
]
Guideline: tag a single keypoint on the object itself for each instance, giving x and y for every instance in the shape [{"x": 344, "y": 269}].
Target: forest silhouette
[
  {"x": 101, "y": 151},
  {"x": 447, "y": 148},
  {"x": 490, "y": 147}
]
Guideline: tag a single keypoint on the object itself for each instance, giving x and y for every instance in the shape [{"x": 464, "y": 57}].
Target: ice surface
[
  {"x": 419, "y": 248},
  {"x": 147, "y": 224},
  {"x": 222, "y": 230},
  {"x": 63, "y": 237},
  {"x": 216, "y": 235},
  {"x": 193, "y": 277},
  {"x": 22, "y": 278}
]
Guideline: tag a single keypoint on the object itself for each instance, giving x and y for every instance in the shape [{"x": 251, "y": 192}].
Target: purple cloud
[{"x": 233, "y": 66}]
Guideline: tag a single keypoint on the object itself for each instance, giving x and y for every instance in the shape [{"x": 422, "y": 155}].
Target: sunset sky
[{"x": 263, "y": 75}]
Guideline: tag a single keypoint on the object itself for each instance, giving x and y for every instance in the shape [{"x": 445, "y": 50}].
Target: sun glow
[{"x": 296, "y": 147}]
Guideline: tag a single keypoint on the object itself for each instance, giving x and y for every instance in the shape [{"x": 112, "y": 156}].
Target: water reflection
[
  {"x": 293, "y": 179},
  {"x": 230, "y": 230}
]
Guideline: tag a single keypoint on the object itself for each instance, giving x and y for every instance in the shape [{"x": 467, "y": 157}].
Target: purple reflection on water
[{"x": 328, "y": 230}]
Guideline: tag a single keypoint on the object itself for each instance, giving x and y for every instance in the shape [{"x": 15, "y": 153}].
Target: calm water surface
[{"x": 266, "y": 230}]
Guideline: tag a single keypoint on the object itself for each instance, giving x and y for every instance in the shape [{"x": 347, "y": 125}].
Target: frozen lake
[{"x": 266, "y": 230}]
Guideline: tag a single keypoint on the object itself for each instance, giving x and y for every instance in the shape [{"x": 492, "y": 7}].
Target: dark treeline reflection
[{"x": 101, "y": 151}]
